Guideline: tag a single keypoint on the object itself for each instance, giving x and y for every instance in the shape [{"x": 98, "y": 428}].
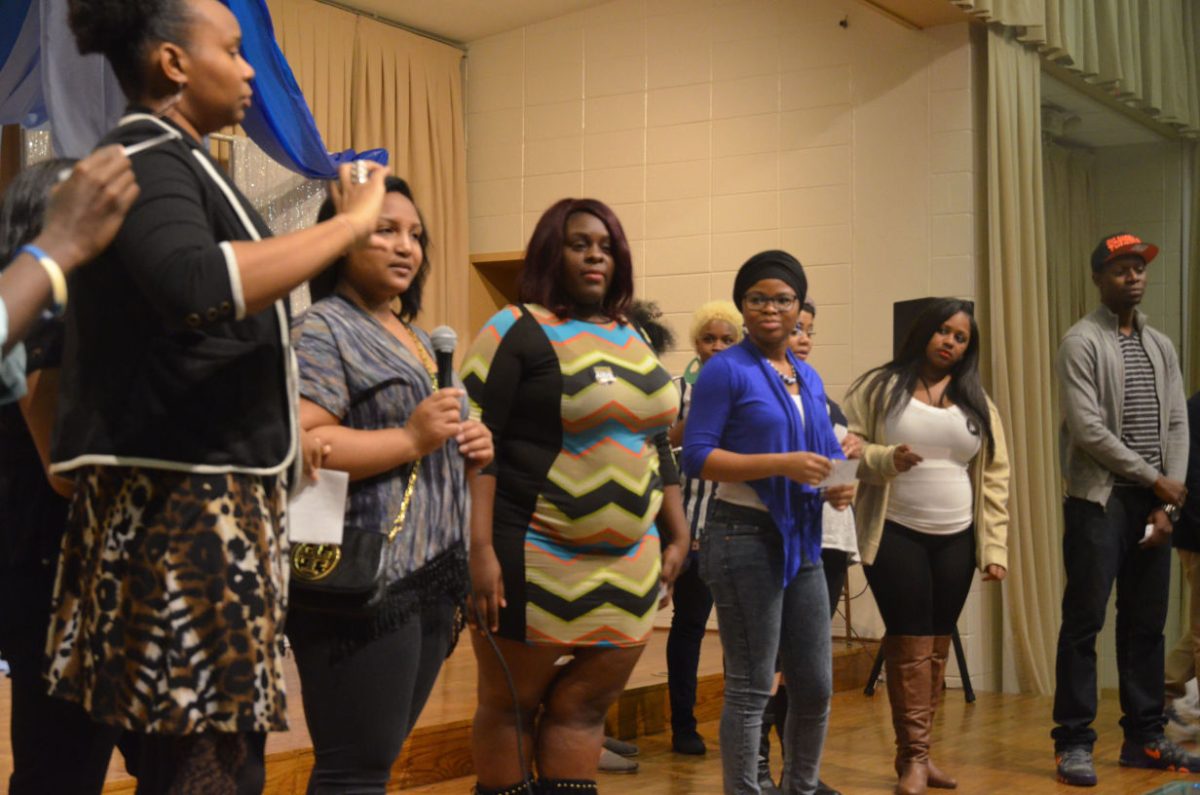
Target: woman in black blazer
[{"x": 177, "y": 418}]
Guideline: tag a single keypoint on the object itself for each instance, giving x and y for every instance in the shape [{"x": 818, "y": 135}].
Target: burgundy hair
[{"x": 541, "y": 280}]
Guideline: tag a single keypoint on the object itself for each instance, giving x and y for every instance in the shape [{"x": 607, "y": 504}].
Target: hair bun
[{"x": 101, "y": 25}]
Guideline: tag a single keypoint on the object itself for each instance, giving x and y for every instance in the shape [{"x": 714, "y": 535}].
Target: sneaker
[
  {"x": 1160, "y": 754},
  {"x": 620, "y": 747},
  {"x": 614, "y": 763},
  {"x": 689, "y": 743},
  {"x": 1074, "y": 766},
  {"x": 1180, "y": 728}
]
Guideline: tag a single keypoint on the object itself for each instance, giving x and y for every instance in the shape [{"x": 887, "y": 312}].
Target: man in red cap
[{"x": 1124, "y": 449}]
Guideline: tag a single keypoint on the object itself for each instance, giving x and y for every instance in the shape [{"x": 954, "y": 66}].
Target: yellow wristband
[{"x": 58, "y": 281}]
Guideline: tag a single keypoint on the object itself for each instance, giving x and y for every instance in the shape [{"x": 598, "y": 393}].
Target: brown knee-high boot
[
  {"x": 908, "y": 659},
  {"x": 941, "y": 651}
]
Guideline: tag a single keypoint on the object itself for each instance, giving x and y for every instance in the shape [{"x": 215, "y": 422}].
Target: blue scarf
[{"x": 795, "y": 507}]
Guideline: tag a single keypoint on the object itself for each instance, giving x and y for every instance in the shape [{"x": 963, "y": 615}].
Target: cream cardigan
[{"x": 989, "y": 479}]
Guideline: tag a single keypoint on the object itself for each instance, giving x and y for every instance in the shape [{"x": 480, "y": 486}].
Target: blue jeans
[{"x": 742, "y": 562}]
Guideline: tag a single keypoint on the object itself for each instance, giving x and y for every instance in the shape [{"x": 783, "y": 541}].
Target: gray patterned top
[{"x": 355, "y": 369}]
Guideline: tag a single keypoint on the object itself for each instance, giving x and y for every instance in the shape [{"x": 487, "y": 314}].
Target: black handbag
[{"x": 347, "y": 578}]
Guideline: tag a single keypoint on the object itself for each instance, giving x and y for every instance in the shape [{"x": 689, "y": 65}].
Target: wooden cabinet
[{"x": 492, "y": 283}]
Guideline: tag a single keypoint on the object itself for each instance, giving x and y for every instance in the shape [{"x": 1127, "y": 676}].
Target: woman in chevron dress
[{"x": 577, "y": 528}]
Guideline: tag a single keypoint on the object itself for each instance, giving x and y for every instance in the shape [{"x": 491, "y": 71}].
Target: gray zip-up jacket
[{"x": 1091, "y": 374}]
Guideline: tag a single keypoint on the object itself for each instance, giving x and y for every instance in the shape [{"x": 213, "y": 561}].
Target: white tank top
[{"x": 934, "y": 496}]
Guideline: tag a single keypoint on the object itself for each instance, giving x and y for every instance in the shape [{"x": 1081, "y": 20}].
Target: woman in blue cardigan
[{"x": 759, "y": 427}]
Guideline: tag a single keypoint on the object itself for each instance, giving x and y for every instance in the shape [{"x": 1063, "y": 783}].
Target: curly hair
[
  {"x": 541, "y": 279},
  {"x": 717, "y": 310},
  {"x": 647, "y": 316},
  {"x": 125, "y": 32}
]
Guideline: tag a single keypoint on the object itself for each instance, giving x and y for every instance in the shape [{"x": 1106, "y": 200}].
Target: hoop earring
[{"x": 171, "y": 102}]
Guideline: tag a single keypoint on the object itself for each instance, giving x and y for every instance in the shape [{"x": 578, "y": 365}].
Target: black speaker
[{"x": 904, "y": 315}]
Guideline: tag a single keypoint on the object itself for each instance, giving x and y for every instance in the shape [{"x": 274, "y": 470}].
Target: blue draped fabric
[
  {"x": 21, "y": 98},
  {"x": 279, "y": 120},
  {"x": 43, "y": 76}
]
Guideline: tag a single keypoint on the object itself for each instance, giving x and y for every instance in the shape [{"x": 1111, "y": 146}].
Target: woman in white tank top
[{"x": 931, "y": 506}]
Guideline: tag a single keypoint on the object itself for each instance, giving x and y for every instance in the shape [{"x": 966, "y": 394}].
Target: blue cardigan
[{"x": 740, "y": 404}]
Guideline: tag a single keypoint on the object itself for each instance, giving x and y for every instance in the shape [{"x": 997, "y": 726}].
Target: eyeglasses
[
  {"x": 758, "y": 301},
  {"x": 801, "y": 331}
]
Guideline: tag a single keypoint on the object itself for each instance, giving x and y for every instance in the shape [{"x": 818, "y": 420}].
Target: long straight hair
[
  {"x": 24, "y": 205},
  {"x": 965, "y": 388}
]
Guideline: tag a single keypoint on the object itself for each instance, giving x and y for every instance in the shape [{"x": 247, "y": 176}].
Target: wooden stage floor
[{"x": 1000, "y": 744}]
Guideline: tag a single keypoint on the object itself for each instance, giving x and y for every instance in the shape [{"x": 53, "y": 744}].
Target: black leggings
[
  {"x": 835, "y": 562},
  {"x": 360, "y": 707},
  {"x": 920, "y": 581}
]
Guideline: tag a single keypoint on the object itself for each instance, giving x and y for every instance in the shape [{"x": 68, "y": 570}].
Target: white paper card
[
  {"x": 318, "y": 511},
  {"x": 844, "y": 472},
  {"x": 931, "y": 452}
]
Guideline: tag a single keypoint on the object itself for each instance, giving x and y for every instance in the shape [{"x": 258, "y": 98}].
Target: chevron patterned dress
[{"x": 578, "y": 411}]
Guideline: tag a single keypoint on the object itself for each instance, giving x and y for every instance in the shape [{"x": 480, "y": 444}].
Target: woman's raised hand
[
  {"x": 359, "y": 203},
  {"x": 807, "y": 468}
]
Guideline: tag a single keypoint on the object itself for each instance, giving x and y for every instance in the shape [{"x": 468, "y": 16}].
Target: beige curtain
[
  {"x": 372, "y": 85},
  {"x": 318, "y": 41},
  {"x": 1010, "y": 13},
  {"x": 1191, "y": 267},
  {"x": 408, "y": 97},
  {"x": 1018, "y": 325},
  {"x": 1070, "y": 235},
  {"x": 1143, "y": 52}
]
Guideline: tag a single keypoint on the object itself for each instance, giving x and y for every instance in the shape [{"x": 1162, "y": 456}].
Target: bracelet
[{"x": 58, "y": 281}]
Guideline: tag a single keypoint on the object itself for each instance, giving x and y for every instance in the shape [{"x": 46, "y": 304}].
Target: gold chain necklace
[{"x": 431, "y": 369}]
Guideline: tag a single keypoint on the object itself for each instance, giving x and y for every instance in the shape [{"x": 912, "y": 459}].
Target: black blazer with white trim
[{"x": 161, "y": 366}]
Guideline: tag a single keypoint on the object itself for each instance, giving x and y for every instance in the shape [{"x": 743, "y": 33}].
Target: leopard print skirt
[{"x": 169, "y": 602}]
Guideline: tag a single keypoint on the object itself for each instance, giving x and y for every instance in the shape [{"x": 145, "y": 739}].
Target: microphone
[{"x": 444, "y": 339}]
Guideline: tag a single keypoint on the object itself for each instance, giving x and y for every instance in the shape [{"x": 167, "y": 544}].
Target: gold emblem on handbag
[{"x": 314, "y": 562}]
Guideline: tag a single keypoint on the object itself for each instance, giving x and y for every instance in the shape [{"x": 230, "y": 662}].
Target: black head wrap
[{"x": 770, "y": 265}]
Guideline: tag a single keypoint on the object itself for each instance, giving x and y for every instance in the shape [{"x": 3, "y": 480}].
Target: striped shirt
[
  {"x": 1139, "y": 417},
  {"x": 697, "y": 493}
]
